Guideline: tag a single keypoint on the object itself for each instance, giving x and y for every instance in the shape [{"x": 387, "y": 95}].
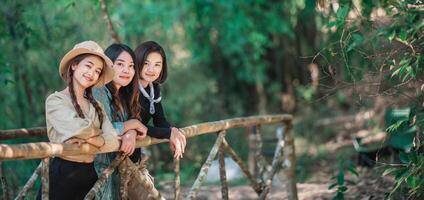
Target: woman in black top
[{"x": 151, "y": 60}]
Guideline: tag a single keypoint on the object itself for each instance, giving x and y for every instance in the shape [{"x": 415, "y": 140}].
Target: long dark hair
[
  {"x": 141, "y": 53},
  {"x": 126, "y": 98},
  {"x": 87, "y": 93}
]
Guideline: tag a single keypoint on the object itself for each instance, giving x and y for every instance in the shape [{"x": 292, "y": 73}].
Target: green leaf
[
  {"x": 342, "y": 188},
  {"x": 339, "y": 196},
  {"x": 389, "y": 171},
  {"x": 411, "y": 181},
  {"x": 342, "y": 13},
  {"x": 404, "y": 157},
  {"x": 394, "y": 127},
  {"x": 396, "y": 72},
  {"x": 413, "y": 157},
  {"x": 403, "y": 35},
  {"x": 353, "y": 170},
  {"x": 332, "y": 186},
  {"x": 340, "y": 178},
  {"x": 331, "y": 24},
  {"x": 350, "y": 182},
  {"x": 392, "y": 35},
  {"x": 401, "y": 174},
  {"x": 357, "y": 39}
]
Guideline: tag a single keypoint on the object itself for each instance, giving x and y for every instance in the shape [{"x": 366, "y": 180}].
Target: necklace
[{"x": 150, "y": 97}]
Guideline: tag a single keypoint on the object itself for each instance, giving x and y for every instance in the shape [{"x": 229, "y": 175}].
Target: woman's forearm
[{"x": 97, "y": 141}]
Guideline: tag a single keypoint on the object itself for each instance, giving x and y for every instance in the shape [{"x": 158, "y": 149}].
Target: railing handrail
[{"x": 47, "y": 149}]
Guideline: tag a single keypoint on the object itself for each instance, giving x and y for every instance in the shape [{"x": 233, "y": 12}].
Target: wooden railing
[{"x": 260, "y": 178}]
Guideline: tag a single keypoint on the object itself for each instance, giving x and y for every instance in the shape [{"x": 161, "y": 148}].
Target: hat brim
[{"x": 107, "y": 71}]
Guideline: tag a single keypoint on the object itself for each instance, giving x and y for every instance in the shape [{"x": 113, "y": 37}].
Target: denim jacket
[{"x": 102, "y": 161}]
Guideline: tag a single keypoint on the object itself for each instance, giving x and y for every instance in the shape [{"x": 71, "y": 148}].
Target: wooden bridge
[{"x": 260, "y": 176}]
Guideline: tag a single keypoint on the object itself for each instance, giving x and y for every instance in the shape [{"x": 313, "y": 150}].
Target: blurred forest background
[{"x": 351, "y": 72}]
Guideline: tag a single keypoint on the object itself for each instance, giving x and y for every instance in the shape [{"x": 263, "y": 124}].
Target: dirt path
[{"x": 306, "y": 192}]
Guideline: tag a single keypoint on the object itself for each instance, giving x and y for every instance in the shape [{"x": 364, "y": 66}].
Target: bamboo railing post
[
  {"x": 103, "y": 177},
  {"x": 290, "y": 162},
  {"x": 261, "y": 164},
  {"x": 205, "y": 167},
  {"x": 276, "y": 164},
  {"x": 253, "y": 183},
  {"x": 256, "y": 162},
  {"x": 177, "y": 194},
  {"x": 253, "y": 148},
  {"x": 3, "y": 181},
  {"x": 45, "y": 179},
  {"x": 141, "y": 178},
  {"x": 123, "y": 185},
  {"x": 222, "y": 172},
  {"x": 30, "y": 183},
  {"x": 258, "y": 153},
  {"x": 22, "y": 133}
]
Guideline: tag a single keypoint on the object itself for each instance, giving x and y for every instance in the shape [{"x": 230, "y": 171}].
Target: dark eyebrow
[
  {"x": 155, "y": 62},
  {"x": 132, "y": 62}
]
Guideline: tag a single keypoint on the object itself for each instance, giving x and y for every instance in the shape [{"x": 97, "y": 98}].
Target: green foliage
[
  {"x": 388, "y": 45},
  {"x": 227, "y": 58},
  {"x": 409, "y": 176},
  {"x": 339, "y": 180},
  {"x": 401, "y": 133},
  {"x": 406, "y": 128}
]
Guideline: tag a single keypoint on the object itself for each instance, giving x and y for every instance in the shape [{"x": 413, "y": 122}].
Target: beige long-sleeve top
[{"x": 63, "y": 123}]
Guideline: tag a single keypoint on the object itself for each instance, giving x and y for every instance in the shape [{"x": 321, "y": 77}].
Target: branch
[{"x": 106, "y": 17}]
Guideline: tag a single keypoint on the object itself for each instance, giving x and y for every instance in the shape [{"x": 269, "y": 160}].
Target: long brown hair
[
  {"x": 87, "y": 93},
  {"x": 126, "y": 98}
]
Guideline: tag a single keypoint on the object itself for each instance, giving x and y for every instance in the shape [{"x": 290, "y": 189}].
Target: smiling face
[
  {"x": 152, "y": 67},
  {"x": 124, "y": 69},
  {"x": 87, "y": 71}
]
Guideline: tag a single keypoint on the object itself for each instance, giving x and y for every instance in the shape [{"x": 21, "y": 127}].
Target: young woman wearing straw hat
[{"x": 74, "y": 116}]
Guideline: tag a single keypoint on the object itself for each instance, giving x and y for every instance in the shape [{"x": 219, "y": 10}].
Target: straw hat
[{"x": 89, "y": 47}]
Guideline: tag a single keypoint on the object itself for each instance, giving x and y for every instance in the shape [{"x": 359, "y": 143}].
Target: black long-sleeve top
[{"x": 161, "y": 128}]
